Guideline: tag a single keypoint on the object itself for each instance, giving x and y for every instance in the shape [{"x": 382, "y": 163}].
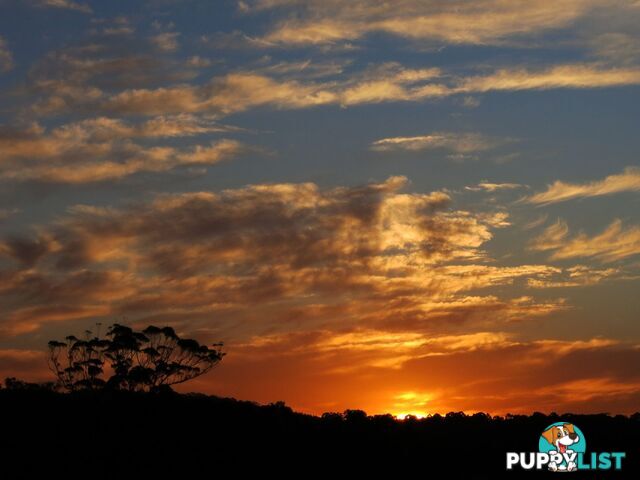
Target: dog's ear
[
  {"x": 569, "y": 427},
  {"x": 550, "y": 434}
]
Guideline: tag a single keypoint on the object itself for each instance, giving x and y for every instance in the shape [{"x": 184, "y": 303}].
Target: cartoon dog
[{"x": 561, "y": 436}]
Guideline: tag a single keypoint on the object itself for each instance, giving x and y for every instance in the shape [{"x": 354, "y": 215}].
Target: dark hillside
[{"x": 129, "y": 435}]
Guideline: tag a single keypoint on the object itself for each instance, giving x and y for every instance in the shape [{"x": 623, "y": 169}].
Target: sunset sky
[{"x": 408, "y": 206}]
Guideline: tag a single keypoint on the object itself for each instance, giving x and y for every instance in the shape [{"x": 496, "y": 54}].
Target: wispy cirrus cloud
[
  {"x": 103, "y": 148},
  {"x": 616, "y": 47},
  {"x": 242, "y": 90},
  {"x": 627, "y": 181},
  {"x": 461, "y": 145},
  {"x": 64, "y": 4},
  {"x": 458, "y": 142},
  {"x": 6, "y": 57},
  {"x": 227, "y": 94},
  {"x": 578, "y": 276},
  {"x": 489, "y": 21},
  {"x": 105, "y": 76},
  {"x": 166, "y": 41},
  {"x": 239, "y": 91},
  {"x": 614, "y": 243},
  {"x": 111, "y": 28},
  {"x": 578, "y": 75},
  {"x": 494, "y": 187},
  {"x": 303, "y": 69},
  {"x": 536, "y": 222},
  {"x": 75, "y": 79}
]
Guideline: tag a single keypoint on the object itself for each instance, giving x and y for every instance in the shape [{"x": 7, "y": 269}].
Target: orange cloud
[
  {"x": 578, "y": 276},
  {"x": 559, "y": 76},
  {"x": 81, "y": 91},
  {"x": 96, "y": 77},
  {"x": 404, "y": 374},
  {"x": 413, "y": 374},
  {"x": 494, "y": 187},
  {"x": 23, "y": 364},
  {"x": 345, "y": 255},
  {"x": 627, "y": 181},
  {"x": 365, "y": 296},
  {"x": 614, "y": 243},
  {"x": 462, "y": 143},
  {"x": 102, "y": 149},
  {"x": 77, "y": 78},
  {"x": 243, "y": 90},
  {"x": 484, "y": 22}
]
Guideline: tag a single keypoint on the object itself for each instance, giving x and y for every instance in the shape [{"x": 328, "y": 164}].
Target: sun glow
[
  {"x": 404, "y": 415},
  {"x": 411, "y": 404}
]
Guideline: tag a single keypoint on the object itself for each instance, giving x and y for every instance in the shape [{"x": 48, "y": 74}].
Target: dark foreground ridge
[{"x": 141, "y": 435}]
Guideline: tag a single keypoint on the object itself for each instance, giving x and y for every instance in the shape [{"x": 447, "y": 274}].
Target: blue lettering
[
  {"x": 581, "y": 464},
  {"x": 618, "y": 456},
  {"x": 604, "y": 461}
]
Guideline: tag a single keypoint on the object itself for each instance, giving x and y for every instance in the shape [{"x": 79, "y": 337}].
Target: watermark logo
[
  {"x": 562, "y": 442},
  {"x": 562, "y": 447}
]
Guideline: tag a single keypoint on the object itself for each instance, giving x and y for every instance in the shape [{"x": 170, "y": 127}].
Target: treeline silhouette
[{"x": 123, "y": 434}]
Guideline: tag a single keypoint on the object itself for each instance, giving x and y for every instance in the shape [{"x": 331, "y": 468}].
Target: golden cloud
[
  {"x": 85, "y": 80},
  {"x": 615, "y": 243},
  {"x": 401, "y": 373},
  {"x": 369, "y": 254},
  {"x": 408, "y": 373},
  {"x": 236, "y": 92},
  {"x": 78, "y": 77},
  {"x": 559, "y": 76},
  {"x": 457, "y": 22},
  {"x": 494, "y": 187},
  {"x": 462, "y": 143},
  {"x": 627, "y": 181},
  {"x": 102, "y": 149},
  {"x": 578, "y": 276},
  {"x": 231, "y": 93}
]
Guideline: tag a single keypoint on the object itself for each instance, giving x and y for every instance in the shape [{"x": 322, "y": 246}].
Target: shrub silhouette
[
  {"x": 149, "y": 360},
  {"x": 15, "y": 384}
]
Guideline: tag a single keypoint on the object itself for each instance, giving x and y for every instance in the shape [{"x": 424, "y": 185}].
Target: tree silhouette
[
  {"x": 78, "y": 364},
  {"x": 147, "y": 360}
]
